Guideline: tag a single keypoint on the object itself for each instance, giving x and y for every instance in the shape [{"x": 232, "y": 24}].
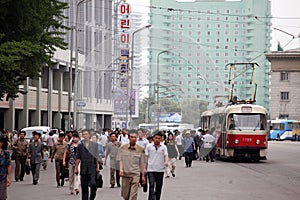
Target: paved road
[{"x": 277, "y": 178}]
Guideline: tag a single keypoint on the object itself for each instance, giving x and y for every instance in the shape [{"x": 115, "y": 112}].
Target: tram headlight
[
  {"x": 257, "y": 142},
  {"x": 236, "y": 141}
]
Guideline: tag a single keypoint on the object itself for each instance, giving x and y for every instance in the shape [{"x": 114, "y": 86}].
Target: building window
[
  {"x": 284, "y": 76},
  {"x": 284, "y": 96}
]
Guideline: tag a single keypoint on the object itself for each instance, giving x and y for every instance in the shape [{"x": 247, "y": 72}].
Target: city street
[{"x": 277, "y": 178}]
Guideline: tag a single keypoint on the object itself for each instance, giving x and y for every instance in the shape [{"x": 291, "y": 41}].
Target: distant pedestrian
[
  {"x": 103, "y": 139},
  {"x": 100, "y": 150},
  {"x": 112, "y": 149},
  {"x": 36, "y": 155},
  {"x": 157, "y": 156},
  {"x": 123, "y": 137},
  {"x": 142, "y": 141},
  {"x": 50, "y": 142},
  {"x": 20, "y": 147},
  {"x": 58, "y": 154},
  {"x": 70, "y": 160},
  {"x": 5, "y": 170},
  {"x": 173, "y": 154},
  {"x": 45, "y": 157},
  {"x": 178, "y": 139},
  {"x": 208, "y": 146},
  {"x": 132, "y": 162},
  {"x": 189, "y": 147},
  {"x": 87, "y": 155}
]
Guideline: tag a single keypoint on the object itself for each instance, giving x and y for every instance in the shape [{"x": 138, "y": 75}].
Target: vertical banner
[{"x": 124, "y": 25}]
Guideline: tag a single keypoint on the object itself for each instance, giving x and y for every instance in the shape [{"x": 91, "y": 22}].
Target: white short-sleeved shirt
[{"x": 156, "y": 157}]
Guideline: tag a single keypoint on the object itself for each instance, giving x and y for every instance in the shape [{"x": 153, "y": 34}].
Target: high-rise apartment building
[{"x": 191, "y": 44}]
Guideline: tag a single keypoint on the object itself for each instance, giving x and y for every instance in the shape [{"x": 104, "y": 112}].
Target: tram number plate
[{"x": 247, "y": 139}]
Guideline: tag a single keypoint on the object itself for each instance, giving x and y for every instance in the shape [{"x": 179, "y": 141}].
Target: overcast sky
[{"x": 279, "y": 8}]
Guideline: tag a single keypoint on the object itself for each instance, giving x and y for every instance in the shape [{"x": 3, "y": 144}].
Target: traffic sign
[{"x": 81, "y": 103}]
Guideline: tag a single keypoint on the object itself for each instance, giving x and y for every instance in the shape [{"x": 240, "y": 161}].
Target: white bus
[{"x": 167, "y": 126}]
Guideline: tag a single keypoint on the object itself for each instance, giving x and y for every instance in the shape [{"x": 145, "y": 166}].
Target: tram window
[{"x": 247, "y": 122}]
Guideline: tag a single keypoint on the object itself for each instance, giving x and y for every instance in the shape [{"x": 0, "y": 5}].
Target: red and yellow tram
[{"x": 240, "y": 130}]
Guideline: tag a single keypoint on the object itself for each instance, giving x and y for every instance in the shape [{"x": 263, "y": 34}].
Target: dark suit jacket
[{"x": 87, "y": 158}]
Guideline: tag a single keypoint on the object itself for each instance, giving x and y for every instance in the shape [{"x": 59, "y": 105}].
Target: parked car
[{"x": 44, "y": 130}]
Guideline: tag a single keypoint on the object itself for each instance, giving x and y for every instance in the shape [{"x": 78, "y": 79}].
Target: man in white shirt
[
  {"x": 178, "y": 140},
  {"x": 157, "y": 160},
  {"x": 123, "y": 138},
  {"x": 142, "y": 141},
  {"x": 103, "y": 140}
]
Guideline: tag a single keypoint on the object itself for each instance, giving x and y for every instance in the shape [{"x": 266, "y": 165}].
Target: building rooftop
[{"x": 291, "y": 53}]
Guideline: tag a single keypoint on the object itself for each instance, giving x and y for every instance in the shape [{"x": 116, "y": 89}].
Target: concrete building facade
[
  {"x": 48, "y": 100},
  {"x": 194, "y": 41},
  {"x": 285, "y": 84}
]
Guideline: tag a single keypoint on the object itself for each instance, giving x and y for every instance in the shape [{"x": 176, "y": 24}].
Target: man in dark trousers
[
  {"x": 36, "y": 154},
  {"x": 20, "y": 147},
  {"x": 87, "y": 155},
  {"x": 157, "y": 159}
]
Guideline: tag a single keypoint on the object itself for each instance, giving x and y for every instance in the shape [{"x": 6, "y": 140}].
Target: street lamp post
[
  {"x": 76, "y": 61},
  {"x": 157, "y": 85},
  {"x": 131, "y": 74},
  {"x": 71, "y": 79}
]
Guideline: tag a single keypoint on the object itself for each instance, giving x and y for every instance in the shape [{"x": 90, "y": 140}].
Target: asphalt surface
[{"x": 277, "y": 178}]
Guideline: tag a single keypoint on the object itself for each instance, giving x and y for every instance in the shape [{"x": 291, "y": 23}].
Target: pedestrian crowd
[{"x": 136, "y": 158}]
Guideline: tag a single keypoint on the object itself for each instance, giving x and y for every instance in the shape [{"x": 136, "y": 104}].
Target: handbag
[
  {"x": 13, "y": 155},
  {"x": 99, "y": 180},
  {"x": 66, "y": 172},
  {"x": 27, "y": 168}
]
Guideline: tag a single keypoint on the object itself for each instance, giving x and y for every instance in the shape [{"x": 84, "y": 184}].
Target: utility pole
[
  {"x": 71, "y": 79},
  {"x": 131, "y": 73},
  {"x": 76, "y": 63}
]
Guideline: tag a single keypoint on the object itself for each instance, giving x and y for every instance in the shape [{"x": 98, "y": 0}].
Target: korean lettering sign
[{"x": 124, "y": 38}]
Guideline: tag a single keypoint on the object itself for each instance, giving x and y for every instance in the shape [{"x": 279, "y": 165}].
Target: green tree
[
  {"x": 279, "y": 48},
  {"x": 191, "y": 111},
  {"x": 30, "y": 30}
]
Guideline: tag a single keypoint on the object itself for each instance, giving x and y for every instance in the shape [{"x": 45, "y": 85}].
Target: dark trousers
[
  {"x": 188, "y": 156},
  {"x": 20, "y": 166},
  {"x": 35, "y": 171},
  {"x": 59, "y": 168},
  {"x": 210, "y": 156},
  {"x": 155, "y": 184},
  {"x": 50, "y": 151},
  {"x": 86, "y": 181},
  {"x": 113, "y": 178}
]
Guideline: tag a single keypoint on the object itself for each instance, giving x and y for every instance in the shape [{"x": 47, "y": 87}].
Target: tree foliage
[
  {"x": 30, "y": 30},
  {"x": 190, "y": 109}
]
